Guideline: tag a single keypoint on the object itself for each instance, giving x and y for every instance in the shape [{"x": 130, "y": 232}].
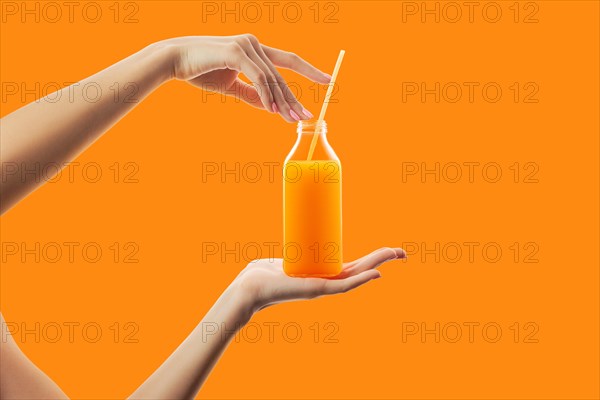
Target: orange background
[{"x": 170, "y": 212}]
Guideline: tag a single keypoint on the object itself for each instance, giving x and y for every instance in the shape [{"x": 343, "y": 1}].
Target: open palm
[{"x": 268, "y": 283}]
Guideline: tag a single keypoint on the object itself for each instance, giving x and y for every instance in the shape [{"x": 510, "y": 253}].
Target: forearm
[
  {"x": 20, "y": 378},
  {"x": 184, "y": 372},
  {"x": 48, "y": 133}
]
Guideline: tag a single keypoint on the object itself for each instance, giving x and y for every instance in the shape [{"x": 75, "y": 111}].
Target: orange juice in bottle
[{"x": 312, "y": 206}]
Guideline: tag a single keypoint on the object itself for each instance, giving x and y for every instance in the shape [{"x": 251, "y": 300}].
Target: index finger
[
  {"x": 349, "y": 283},
  {"x": 371, "y": 261},
  {"x": 287, "y": 60}
]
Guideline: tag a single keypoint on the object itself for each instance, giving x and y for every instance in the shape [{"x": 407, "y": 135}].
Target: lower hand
[{"x": 265, "y": 283}]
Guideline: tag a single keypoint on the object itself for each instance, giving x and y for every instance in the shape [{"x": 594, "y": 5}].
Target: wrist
[
  {"x": 243, "y": 299},
  {"x": 165, "y": 55}
]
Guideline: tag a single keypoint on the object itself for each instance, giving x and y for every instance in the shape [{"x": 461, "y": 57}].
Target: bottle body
[{"x": 312, "y": 192}]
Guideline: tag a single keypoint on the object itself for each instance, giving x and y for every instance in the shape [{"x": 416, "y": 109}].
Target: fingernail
[
  {"x": 328, "y": 77},
  {"x": 307, "y": 113},
  {"x": 294, "y": 115},
  {"x": 274, "y": 108}
]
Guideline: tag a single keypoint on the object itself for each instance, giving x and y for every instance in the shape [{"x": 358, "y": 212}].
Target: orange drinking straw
[{"x": 313, "y": 144}]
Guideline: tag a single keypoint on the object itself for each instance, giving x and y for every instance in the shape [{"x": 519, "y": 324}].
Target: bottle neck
[
  {"x": 309, "y": 133},
  {"x": 310, "y": 128}
]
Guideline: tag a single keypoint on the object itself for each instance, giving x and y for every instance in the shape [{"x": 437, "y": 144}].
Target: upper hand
[{"x": 213, "y": 63}]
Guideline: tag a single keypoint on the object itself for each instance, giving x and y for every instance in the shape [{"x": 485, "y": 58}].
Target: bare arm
[
  {"x": 46, "y": 134},
  {"x": 20, "y": 378},
  {"x": 261, "y": 284},
  {"x": 184, "y": 372}
]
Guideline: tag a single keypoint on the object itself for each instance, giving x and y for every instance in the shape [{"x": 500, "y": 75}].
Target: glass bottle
[{"x": 312, "y": 206}]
